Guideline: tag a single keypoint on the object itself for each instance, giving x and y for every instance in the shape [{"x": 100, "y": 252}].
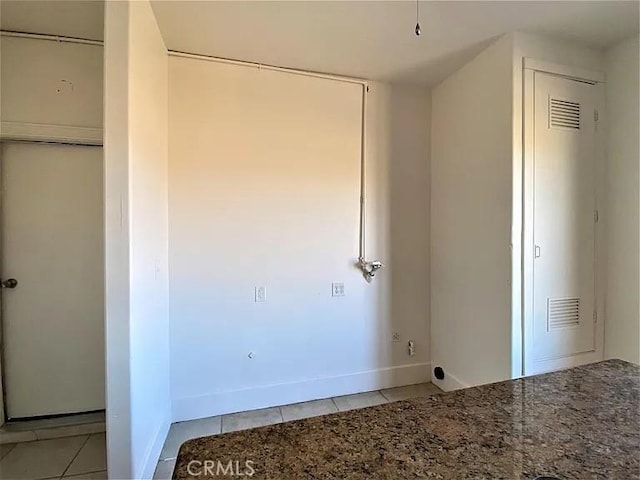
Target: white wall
[
  {"x": 408, "y": 118},
  {"x": 36, "y": 105},
  {"x": 138, "y": 398},
  {"x": 473, "y": 337},
  {"x": 476, "y": 209},
  {"x": 622, "y": 327},
  {"x": 56, "y": 94},
  {"x": 471, "y": 190},
  {"x": 569, "y": 54},
  {"x": 148, "y": 203},
  {"x": 116, "y": 190},
  {"x": 263, "y": 190}
]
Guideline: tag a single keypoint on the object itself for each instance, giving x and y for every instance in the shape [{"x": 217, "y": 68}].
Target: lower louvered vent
[{"x": 563, "y": 312}]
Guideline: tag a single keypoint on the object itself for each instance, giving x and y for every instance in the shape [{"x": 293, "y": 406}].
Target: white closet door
[
  {"x": 52, "y": 245},
  {"x": 564, "y": 221}
]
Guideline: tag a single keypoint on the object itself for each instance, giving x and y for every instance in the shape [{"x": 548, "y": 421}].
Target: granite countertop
[{"x": 580, "y": 423}]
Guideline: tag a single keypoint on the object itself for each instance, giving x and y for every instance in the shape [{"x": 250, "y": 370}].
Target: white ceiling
[
  {"x": 375, "y": 39},
  {"x": 366, "y": 39},
  {"x": 70, "y": 18}
]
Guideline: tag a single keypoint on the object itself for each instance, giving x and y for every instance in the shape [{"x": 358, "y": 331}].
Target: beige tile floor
[
  {"x": 78, "y": 457},
  {"x": 84, "y": 456},
  {"x": 183, "y": 431},
  {"x": 44, "y": 429}
]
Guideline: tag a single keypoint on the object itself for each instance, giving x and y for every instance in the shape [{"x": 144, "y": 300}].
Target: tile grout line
[
  {"x": 333, "y": 400},
  {"x": 384, "y": 396},
  {"x": 163, "y": 461},
  {"x": 160, "y": 460},
  {"x": 222, "y": 423},
  {"x": 76, "y": 455},
  {"x": 84, "y": 473},
  {"x": 9, "y": 450}
]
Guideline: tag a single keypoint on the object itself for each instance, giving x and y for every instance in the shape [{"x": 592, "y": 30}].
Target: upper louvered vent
[
  {"x": 563, "y": 113},
  {"x": 563, "y": 312}
]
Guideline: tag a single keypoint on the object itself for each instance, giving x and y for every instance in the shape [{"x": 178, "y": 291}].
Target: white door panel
[
  {"x": 563, "y": 217},
  {"x": 52, "y": 243}
]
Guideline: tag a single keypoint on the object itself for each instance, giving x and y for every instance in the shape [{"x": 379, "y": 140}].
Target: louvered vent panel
[
  {"x": 563, "y": 312},
  {"x": 563, "y": 113}
]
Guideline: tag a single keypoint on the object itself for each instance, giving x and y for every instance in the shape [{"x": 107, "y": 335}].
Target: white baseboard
[
  {"x": 450, "y": 382},
  {"x": 551, "y": 365},
  {"x": 155, "y": 448},
  {"x": 190, "y": 408}
]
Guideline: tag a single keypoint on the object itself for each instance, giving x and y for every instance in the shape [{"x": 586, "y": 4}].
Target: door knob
[{"x": 9, "y": 283}]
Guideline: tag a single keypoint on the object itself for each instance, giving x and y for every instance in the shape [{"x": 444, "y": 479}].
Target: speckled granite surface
[{"x": 581, "y": 423}]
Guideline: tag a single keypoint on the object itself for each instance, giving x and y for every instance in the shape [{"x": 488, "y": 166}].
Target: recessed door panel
[
  {"x": 564, "y": 217},
  {"x": 52, "y": 245}
]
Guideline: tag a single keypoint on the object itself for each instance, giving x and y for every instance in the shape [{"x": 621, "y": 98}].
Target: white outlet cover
[
  {"x": 395, "y": 336},
  {"x": 337, "y": 289},
  {"x": 261, "y": 294}
]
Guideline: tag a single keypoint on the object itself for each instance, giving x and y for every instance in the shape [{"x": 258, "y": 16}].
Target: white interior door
[
  {"x": 564, "y": 221},
  {"x": 52, "y": 245}
]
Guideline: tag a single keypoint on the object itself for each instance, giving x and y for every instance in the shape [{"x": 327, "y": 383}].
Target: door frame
[
  {"x": 3, "y": 399},
  {"x": 73, "y": 140},
  {"x": 530, "y": 66}
]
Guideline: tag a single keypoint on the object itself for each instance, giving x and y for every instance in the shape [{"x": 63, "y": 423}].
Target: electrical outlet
[
  {"x": 395, "y": 336},
  {"x": 411, "y": 348},
  {"x": 261, "y": 294},
  {"x": 337, "y": 289}
]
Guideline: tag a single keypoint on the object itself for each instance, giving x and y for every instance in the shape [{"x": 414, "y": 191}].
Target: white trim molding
[
  {"x": 152, "y": 455},
  {"x": 577, "y": 73},
  {"x": 52, "y": 38},
  {"x": 261, "y": 66},
  {"x": 43, "y": 132},
  {"x": 450, "y": 382},
  {"x": 532, "y": 366},
  {"x": 219, "y": 403}
]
